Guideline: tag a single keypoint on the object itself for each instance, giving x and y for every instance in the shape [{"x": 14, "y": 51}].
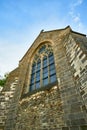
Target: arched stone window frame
[{"x": 43, "y": 72}]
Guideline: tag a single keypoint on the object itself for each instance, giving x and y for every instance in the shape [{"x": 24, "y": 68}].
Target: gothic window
[{"x": 43, "y": 68}]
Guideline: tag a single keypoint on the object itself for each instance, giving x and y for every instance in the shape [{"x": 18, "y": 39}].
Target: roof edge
[
  {"x": 42, "y": 31},
  {"x": 78, "y": 33}
]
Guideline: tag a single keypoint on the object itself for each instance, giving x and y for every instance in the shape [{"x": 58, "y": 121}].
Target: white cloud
[
  {"x": 76, "y": 19},
  {"x": 75, "y": 15}
]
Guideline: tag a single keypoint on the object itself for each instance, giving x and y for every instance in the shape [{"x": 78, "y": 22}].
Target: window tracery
[{"x": 43, "y": 68}]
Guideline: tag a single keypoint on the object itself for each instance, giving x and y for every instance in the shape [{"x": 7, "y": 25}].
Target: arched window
[{"x": 43, "y": 68}]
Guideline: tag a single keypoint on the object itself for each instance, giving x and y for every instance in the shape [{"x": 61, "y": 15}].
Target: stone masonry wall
[
  {"x": 77, "y": 56},
  {"x": 77, "y": 60},
  {"x": 6, "y": 103},
  {"x": 41, "y": 111},
  {"x": 74, "y": 114}
]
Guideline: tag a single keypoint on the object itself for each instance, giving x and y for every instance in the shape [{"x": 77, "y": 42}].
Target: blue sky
[{"x": 22, "y": 20}]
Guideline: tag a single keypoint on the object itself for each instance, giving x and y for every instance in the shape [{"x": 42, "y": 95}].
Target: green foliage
[{"x": 2, "y": 82}]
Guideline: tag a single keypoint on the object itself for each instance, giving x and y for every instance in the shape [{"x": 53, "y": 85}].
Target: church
[{"x": 48, "y": 89}]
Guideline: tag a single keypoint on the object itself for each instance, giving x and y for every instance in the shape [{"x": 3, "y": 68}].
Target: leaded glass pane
[
  {"x": 37, "y": 79},
  {"x": 45, "y": 62},
  {"x": 52, "y": 66},
  {"x": 45, "y": 70},
  {"x": 52, "y": 71},
  {"x": 51, "y": 59},
  {"x": 37, "y": 84},
  {"x": 32, "y": 87},
  {"x": 37, "y": 75},
  {"x": 38, "y": 66},
  {"x": 45, "y": 75},
  {"x": 52, "y": 78},
  {"x": 34, "y": 68},
  {"x": 45, "y": 81},
  {"x": 32, "y": 80},
  {"x": 32, "y": 76},
  {"x": 50, "y": 54},
  {"x": 42, "y": 49}
]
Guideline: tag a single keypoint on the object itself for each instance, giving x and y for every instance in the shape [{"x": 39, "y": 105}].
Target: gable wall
[{"x": 61, "y": 106}]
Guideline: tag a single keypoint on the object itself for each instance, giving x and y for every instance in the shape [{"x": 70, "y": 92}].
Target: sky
[{"x": 22, "y": 20}]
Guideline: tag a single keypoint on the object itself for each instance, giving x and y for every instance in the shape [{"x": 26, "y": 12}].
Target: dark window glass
[
  {"x": 45, "y": 75},
  {"x": 37, "y": 75},
  {"x": 52, "y": 71},
  {"x": 51, "y": 61},
  {"x": 52, "y": 78},
  {"x": 37, "y": 84},
  {"x": 38, "y": 65},
  {"x": 34, "y": 68},
  {"x": 45, "y": 81},
  {"x": 32, "y": 87},
  {"x": 52, "y": 66},
  {"x": 45, "y": 70},
  {"x": 51, "y": 58},
  {"x": 37, "y": 78},
  {"x": 32, "y": 76},
  {"x": 42, "y": 49},
  {"x": 45, "y": 62},
  {"x": 32, "y": 80}
]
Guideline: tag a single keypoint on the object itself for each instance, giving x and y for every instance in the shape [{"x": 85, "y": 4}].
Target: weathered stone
[{"x": 58, "y": 106}]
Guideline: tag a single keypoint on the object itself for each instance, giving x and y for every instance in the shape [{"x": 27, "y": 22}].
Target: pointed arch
[{"x": 43, "y": 67}]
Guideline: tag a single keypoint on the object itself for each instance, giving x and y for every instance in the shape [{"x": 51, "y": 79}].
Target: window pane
[
  {"x": 50, "y": 54},
  {"x": 52, "y": 66},
  {"x": 32, "y": 76},
  {"x": 42, "y": 48},
  {"x": 33, "y": 70},
  {"x": 45, "y": 75},
  {"x": 51, "y": 61},
  {"x": 52, "y": 78},
  {"x": 32, "y": 87},
  {"x": 45, "y": 81},
  {"x": 52, "y": 71},
  {"x": 38, "y": 65},
  {"x": 45, "y": 70},
  {"x": 37, "y": 79},
  {"x": 33, "y": 67},
  {"x": 45, "y": 61},
  {"x": 38, "y": 76},
  {"x": 37, "y": 73},
  {"x": 51, "y": 58},
  {"x": 37, "y": 84},
  {"x": 32, "y": 80}
]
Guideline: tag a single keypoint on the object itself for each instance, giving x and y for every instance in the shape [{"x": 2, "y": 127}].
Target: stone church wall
[
  {"x": 41, "y": 111},
  {"x": 62, "y": 106}
]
